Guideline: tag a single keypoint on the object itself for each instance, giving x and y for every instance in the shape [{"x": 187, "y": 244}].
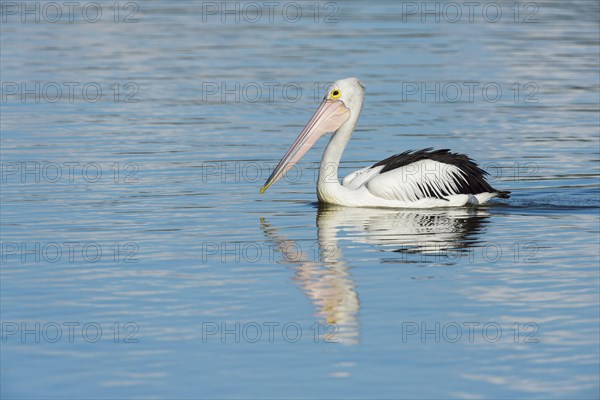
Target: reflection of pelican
[
  {"x": 327, "y": 283},
  {"x": 326, "y": 279},
  {"x": 420, "y": 179},
  {"x": 422, "y": 231}
]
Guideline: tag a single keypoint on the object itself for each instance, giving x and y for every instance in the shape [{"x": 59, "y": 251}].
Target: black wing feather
[{"x": 475, "y": 177}]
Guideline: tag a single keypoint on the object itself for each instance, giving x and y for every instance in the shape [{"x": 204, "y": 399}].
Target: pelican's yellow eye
[{"x": 336, "y": 94}]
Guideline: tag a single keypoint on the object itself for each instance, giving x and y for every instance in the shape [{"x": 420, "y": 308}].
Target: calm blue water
[{"x": 139, "y": 260}]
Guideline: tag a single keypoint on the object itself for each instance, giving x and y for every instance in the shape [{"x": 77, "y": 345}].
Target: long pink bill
[{"x": 330, "y": 115}]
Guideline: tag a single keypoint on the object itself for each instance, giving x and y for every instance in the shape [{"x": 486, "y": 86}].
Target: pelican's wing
[
  {"x": 357, "y": 178},
  {"x": 412, "y": 176}
]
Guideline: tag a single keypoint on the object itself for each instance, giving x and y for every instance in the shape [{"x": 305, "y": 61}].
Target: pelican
[{"x": 413, "y": 179}]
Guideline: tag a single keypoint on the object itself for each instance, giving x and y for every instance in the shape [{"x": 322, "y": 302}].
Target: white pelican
[{"x": 413, "y": 179}]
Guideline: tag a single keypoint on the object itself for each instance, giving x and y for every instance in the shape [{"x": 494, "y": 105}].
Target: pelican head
[
  {"x": 349, "y": 91},
  {"x": 343, "y": 99}
]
